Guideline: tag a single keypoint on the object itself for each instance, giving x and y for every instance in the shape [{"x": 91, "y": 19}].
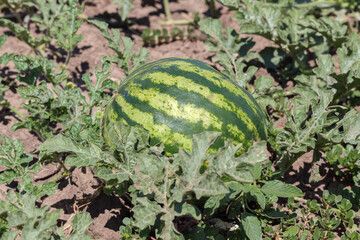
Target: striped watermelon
[{"x": 175, "y": 98}]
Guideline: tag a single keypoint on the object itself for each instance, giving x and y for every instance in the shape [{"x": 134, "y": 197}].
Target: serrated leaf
[
  {"x": 145, "y": 212},
  {"x": 39, "y": 190},
  {"x": 280, "y": 189},
  {"x": 68, "y": 25},
  {"x": 168, "y": 231},
  {"x": 235, "y": 168},
  {"x": 125, "y": 7},
  {"x": 231, "y": 51},
  {"x": 301, "y": 129},
  {"x": 34, "y": 229},
  {"x": 108, "y": 174},
  {"x": 80, "y": 224},
  {"x": 191, "y": 163},
  {"x": 352, "y": 127},
  {"x": 210, "y": 185},
  {"x": 229, "y": 3},
  {"x": 8, "y": 176},
  {"x": 3, "y": 39},
  {"x": 212, "y": 27},
  {"x": 24, "y": 34},
  {"x": 149, "y": 172},
  {"x": 10, "y": 235},
  {"x": 252, "y": 226},
  {"x": 12, "y": 156},
  {"x": 124, "y": 55},
  {"x": 200, "y": 145},
  {"x": 212, "y": 203},
  {"x": 184, "y": 208},
  {"x": 83, "y": 156},
  {"x": 260, "y": 197}
]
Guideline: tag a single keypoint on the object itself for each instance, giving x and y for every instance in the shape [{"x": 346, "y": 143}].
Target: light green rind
[
  {"x": 156, "y": 130},
  {"x": 190, "y": 86},
  {"x": 213, "y": 76},
  {"x": 153, "y": 99}
]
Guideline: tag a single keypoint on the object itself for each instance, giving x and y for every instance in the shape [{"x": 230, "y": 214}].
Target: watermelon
[{"x": 174, "y": 98}]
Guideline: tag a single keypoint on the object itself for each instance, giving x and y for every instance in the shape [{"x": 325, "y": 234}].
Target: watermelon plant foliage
[{"x": 306, "y": 80}]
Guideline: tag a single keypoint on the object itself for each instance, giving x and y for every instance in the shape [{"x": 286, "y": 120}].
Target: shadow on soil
[
  {"x": 314, "y": 189},
  {"x": 111, "y": 203}
]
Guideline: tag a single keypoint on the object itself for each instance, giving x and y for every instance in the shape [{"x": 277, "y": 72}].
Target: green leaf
[
  {"x": 260, "y": 197},
  {"x": 252, "y": 226},
  {"x": 235, "y": 168},
  {"x": 310, "y": 115},
  {"x": 191, "y": 163},
  {"x": 131, "y": 148},
  {"x": 124, "y": 54},
  {"x": 212, "y": 27},
  {"x": 40, "y": 230},
  {"x": 145, "y": 212},
  {"x": 125, "y": 7},
  {"x": 80, "y": 224},
  {"x": 183, "y": 209},
  {"x": 213, "y": 203},
  {"x": 291, "y": 231},
  {"x": 231, "y": 52},
  {"x": 65, "y": 33},
  {"x": 280, "y": 189},
  {"x": 39, "y": 190},
  {"x": 3, "y": 39},
  {"x": 24, "y": 34},
  {"x": 200, "y": 145},
  {"x": 34, "y": 66},
  {"x": 168, "y": 231},
  {"x": 10, "y": 235},
  {"x": 82, "y": 156},
  {"x": 352, "y": 127},
  {"x": 149, "y": 175},
  {"x": 49, "y": 14},
  {"x": 13, "y": 157}
]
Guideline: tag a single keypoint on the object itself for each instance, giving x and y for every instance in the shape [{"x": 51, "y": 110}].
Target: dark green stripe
[
  {"x": 260, "y": 122},
  {"x": 176, "y": 124},
  {"x": 117, "y": 108},
  {"x": 185, "y": 97},
  {"x": 238, "y": 100}
]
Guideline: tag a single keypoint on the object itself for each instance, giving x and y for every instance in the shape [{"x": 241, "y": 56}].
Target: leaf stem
[
  {"x": 303, "y": 68},
  {"x": 68, "y": 56},
  {"x": 303, "y": 5},
  {"x": 16, "y": 111},
  {"x": 61, "y": 163}
]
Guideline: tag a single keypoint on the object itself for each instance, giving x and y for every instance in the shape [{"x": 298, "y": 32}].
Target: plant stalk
[
  {"x": 174, "y": 22},
  {"x": 17, "y": 112},
  {"x": 61, "y": 163},
  {"x": 167, "y": 10},
  {"x": 212, "y": 8},
  {"x": 302, "y": 5}
]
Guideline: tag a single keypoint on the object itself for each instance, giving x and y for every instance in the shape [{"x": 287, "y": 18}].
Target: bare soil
[{"x": 75, "y": 194}]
